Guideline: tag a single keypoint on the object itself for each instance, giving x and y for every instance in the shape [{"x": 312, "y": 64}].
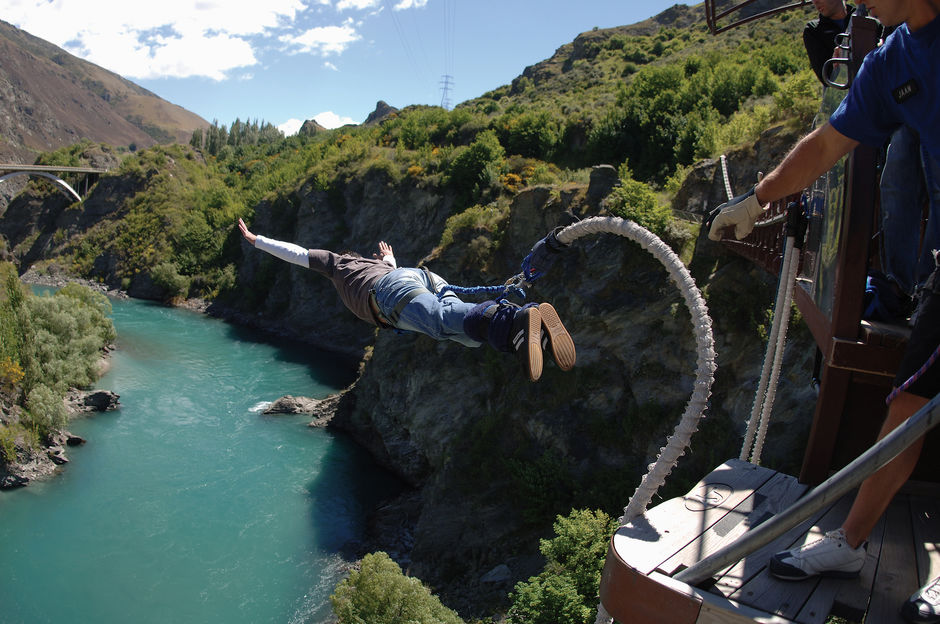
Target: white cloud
[
  {"x": 323, "y": 40},
  {"x": 331, "y": 120},
  {"x": 170, "y": 38},
  {"x": 328, "y": 120},
  {"x": 410, "y": 4},
  {"x": 291, "y": 126},
  {"x": 357, "y": 5},
  {"x": 330, "y": 66}
]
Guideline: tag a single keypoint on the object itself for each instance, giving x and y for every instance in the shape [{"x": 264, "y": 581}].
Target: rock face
[{"x": 382, "y": 112}]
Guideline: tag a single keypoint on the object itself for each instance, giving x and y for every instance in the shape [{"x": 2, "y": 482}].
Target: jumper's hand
[
  {"x": 386, "y": 254},
  {"x": 246, "y": 233},
  {"x": 384, "y": 250},
  {"x": 741, "y": 212}
]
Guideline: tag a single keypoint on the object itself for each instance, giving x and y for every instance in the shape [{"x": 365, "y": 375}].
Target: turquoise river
[{"x": 188, "y": 505}]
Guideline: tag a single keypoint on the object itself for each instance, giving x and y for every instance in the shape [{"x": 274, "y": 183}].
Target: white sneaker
[
  {"x": 924, "y": 606},
  {"x": 830, "y": 556}
]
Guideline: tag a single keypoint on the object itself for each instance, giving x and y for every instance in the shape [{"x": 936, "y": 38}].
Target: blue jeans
[
  {"x": 441, "y": 319},
  {"x": 910, "y": 176}
]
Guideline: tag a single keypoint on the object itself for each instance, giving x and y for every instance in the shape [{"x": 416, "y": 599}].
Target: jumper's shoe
[
  {"x": 524, "y": 340},
  {"x": 924, "y": 606},
  {"x": 829, "y": 556},
  {"x": 555, "y": 338}
]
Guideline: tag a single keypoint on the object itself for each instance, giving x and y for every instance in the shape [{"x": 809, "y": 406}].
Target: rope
[
  {"x": 705, "y": 364},
  {"x": 501, "y": 290},
  {"x": 773, "y": 358},
  {"x": 702, "y": 329},
  {"x": 724, "y": 174},
  {"x": 920, "y": 372}
]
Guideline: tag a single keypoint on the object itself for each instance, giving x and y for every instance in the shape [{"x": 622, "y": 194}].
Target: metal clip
[{"x": 516, "y": 281}]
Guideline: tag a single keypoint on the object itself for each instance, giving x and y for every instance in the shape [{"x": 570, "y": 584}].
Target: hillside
[{"x": 52, "y": 99}]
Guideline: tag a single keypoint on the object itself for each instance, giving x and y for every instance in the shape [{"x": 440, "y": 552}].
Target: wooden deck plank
[
  {"x": 925, "y": 519},
  {"x": 649, "y": 540},
  {"x": 847, "y": 598},
  {"x": 772, "y": 497},
  {"x": 766, "y": 593},
  {"x": 717, "y": 609},
  {"x": 896, "y": 578},
  {"x": 736, "y": 576}
]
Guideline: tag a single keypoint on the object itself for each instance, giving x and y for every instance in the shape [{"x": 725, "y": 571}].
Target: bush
[
  {"x": 45, "y": 411},
  {"x": 167, "y": 276},
  {"x": 378, "y": 593},
  {"x": 637, "y": 202},
  {"x": 566, "y": 589},
  {"x": 471, "y": 168}
]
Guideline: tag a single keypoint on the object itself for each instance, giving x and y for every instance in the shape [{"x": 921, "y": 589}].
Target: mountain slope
[{"x": 52, "y": 98}]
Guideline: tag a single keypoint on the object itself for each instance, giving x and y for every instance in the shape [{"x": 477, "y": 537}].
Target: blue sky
[{"x": 284, "y": 61}]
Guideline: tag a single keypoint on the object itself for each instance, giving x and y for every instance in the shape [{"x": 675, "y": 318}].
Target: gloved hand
[
  {"x": 741, "y": 212},
  {"x": 543, "y": 255}
]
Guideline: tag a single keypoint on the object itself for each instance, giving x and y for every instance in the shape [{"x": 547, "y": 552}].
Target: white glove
[{"x": 741, "y": 212}]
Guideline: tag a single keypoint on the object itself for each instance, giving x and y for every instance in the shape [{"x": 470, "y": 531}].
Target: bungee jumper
[{"x": 415, "y": 299}]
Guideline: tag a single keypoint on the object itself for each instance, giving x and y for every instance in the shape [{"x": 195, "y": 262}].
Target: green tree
[
  {"x": 471, "y": 169},
  {"x": 378, "y": 593},
  {"x": 566, "y": 589}
]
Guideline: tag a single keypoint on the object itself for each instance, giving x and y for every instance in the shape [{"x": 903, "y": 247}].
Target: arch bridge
[{"x": 8, "y": 171}]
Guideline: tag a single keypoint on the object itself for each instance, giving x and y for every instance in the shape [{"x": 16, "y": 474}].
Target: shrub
[
  {"x": 45, "y": 411},
  {"x": 378, "y": 593},
  {"x": 471, "y": 168},
  {"x": 548, "y": 599},
  {"x": 167, "y": 276},
  {"x": 636, "y": 201},
  {"x": 566, "y": 589}
]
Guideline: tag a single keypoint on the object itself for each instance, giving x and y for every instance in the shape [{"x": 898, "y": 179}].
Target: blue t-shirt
[{"x": 898, "y": 83}]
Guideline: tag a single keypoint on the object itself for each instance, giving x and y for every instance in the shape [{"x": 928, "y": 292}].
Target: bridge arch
[{"x": 62, "y": 184}]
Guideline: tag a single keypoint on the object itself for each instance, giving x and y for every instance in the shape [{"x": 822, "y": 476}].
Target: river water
[{"x": 188, "y": 504}]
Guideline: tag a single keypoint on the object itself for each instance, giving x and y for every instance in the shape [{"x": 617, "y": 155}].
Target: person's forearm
[
  {"x": 815, "y": 154},
  {"x": 295, "y": 254}
]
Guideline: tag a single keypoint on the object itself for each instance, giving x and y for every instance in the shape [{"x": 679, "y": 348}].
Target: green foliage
[
  {"x": 566, "y": 589},
  {"x": 8, "y": 442},
  {"x": 548, "y": 599},
  {"x": 477, "y": 217},
  {"x": 798, "y": 97},
  {"x": 473, "y": 168},
  {"x": 543, "y": 485},
  {"x": 637, "y": 202},
  {"x": 45, "y": 410},
  {"x": 167, "y": 276},
  {"x": 378, "y": 593}
]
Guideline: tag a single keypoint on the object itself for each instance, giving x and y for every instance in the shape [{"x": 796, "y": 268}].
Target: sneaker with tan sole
[
  {"x": 525, "y": 342},
  {"x": 555, "y": 338}
]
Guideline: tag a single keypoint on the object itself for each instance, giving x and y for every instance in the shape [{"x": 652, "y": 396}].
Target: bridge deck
[{"x": 50, "y": 168}]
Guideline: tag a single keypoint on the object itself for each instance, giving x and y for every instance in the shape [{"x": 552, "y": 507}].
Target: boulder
[
  {"x": 80, "y": 401},
  {"x": 499, "y": 574},
  {"x": 292, "y": 405},
  {"x": 9, "y": 482}
]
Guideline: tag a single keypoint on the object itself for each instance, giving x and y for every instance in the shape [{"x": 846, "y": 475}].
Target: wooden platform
[{"x": 636, "y": 587}]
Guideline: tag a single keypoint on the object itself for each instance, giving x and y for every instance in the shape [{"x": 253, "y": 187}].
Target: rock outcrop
[{"x": 33, "y": 463}]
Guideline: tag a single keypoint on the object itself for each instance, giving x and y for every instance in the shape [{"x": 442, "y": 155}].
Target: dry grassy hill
[{"x": 51, "y": 98}]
